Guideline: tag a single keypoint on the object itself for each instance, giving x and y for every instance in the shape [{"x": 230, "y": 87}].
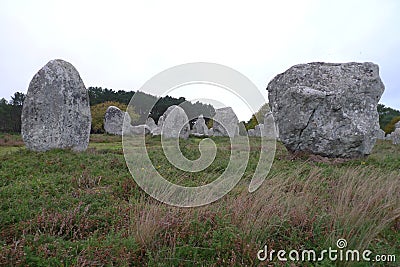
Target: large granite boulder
[
  {"x": 199, "y": 127},
  {"x": 56, "y": 111},
  {"x": 225, "y": 122},
  {"x": 114, "y": 119},
  {"x": 328, "y": 109},
  {"x": 397, "y": 125},
  {"x": 175, "y": 123}
]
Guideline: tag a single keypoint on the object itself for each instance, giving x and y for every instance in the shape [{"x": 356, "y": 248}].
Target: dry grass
[
  {"x": 11, "y": 140},
  {"x": 306, "y": 207},
  {"x": 355, "y": 204}
]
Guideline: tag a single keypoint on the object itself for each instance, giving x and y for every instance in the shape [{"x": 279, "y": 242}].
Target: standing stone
[
  {"x": 157, "y": 130},
  {"x": 269, "y": 123},
  {"x": 396, "y": 137},
  {"x": 161, "y": 121},
  {"x": 225, "y": 122},
  {"x": 396, "y": 134},
  {"x": 142, "y": 129},
  {"x": 200, "y": 128},
  {"x": 328, "y": 109},
  {"x": 380, "y": 134},
  {"x": 175, "y": 123},
  {"x": 151, "y": 124},
  {"x": 56, "y": 111},
  {"x": 242, "y": 129},
  {"x": 251, "y": 132},
  {"x": 211, "y": 131},
  {"x": 114, "y": 119},
  {"x": 258, "y": 130}
]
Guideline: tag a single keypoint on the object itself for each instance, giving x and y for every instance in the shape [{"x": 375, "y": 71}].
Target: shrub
[{"x": 390, "y": 127}]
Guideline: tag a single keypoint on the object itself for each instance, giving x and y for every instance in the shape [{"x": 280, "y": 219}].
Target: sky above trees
[{"x": 122, "y": 44}]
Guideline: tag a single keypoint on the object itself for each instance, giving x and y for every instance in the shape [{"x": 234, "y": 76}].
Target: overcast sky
[{"x": 122, "y": 44}]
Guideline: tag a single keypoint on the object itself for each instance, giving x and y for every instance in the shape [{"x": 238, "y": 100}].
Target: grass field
[{"x": 62, "y": 208}]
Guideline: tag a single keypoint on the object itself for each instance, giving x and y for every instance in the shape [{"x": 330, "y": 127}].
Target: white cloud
[{"x": 122, "y": 44}]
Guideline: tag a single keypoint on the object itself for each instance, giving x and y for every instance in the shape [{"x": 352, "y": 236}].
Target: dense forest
[{"x": 10, "y": 113}]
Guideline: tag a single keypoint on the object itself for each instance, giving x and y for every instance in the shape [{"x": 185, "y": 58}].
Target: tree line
[
  {"x": 10, "y": 113},
  {"x": 100, "y": 99}
]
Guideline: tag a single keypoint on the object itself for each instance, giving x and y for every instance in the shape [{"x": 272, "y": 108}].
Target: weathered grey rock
[
  {"x": 211, "y": 131},
  {"x": 242, "y": 129},
  {"x": 114, "y": 119},
  {"x": 269, "y": 123},
  {"x": 161, "y": 121},
  {"x": 137, "y": 130},
  {"x": 199, "y": 127},
  {"x": 380, "y": 134},
  {"x": 175, "y": 123},
  {"x": 225, "y": 122},
  {"x": 327, "y": 109},
  {"x": 151, "y": 124},
  {"x": 56, "y": 112},
  {"x": 396, "y": 137},
  {"x": 251, "y": 132},
  {"x": 157, "y": 130},
  {"x": 258, "y": 130}
]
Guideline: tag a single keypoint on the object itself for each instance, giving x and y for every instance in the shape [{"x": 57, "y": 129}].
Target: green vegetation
[
  {"x": 143, "y": 102},
  {"x": 386, "y": 117},
  {"x": 10, "y": 113},
  {"x": 61, "y": 208},
  {"x": 97, "y": 111},
  {"x": 390, "y": 127},
  {"x": 258, "y": 117}
]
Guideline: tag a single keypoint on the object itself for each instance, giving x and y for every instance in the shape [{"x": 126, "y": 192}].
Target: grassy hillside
[{"x": 62, "y": 208}]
